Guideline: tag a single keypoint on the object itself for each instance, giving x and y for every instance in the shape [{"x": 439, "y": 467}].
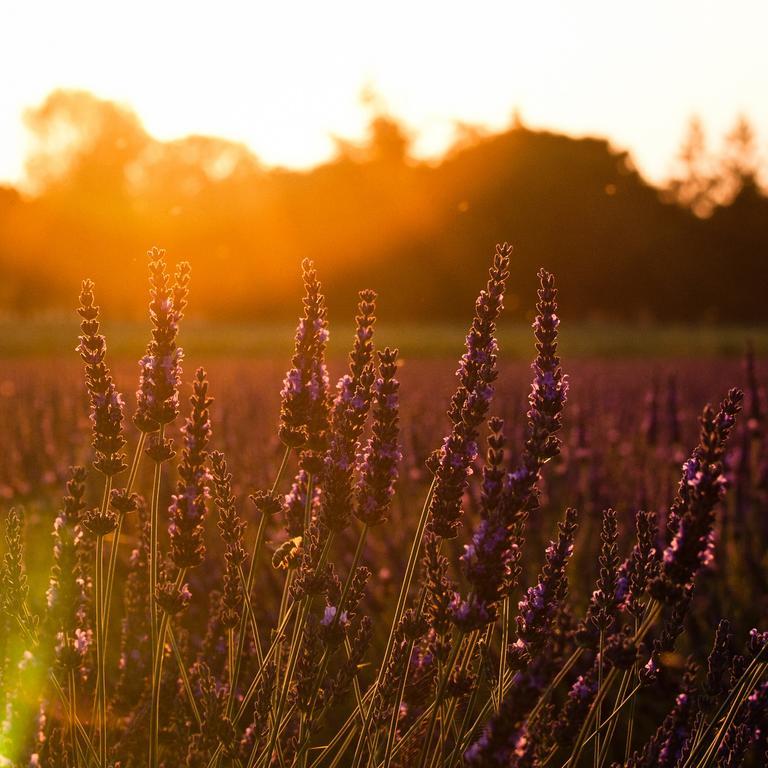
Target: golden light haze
[{"x": 286, "y": 77}]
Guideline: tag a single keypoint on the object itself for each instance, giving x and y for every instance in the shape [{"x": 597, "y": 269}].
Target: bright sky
[{"x": 284, "y": 76}]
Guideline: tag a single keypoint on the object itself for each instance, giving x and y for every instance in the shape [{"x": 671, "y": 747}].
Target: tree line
[{"x": 102, "y": 190}]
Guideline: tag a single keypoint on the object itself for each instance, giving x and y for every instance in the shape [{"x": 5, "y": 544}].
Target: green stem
[
  {"x": 405, "y": 587},
  {"x": 113, "y": 552},
  {"x": 340, "y": 754},
  {"x": 249, "y": 694},
  {"x": 265, "y": 756},
  {"x": 248, "y": 587},
  {"x": 564, "y": 670},
  {"x": 184, "y": 676},
  {"x": 298, "y": 632},
  {"x": 582, "y": 739},
  {"x": 293, "y": 658},
  {"x": 462, "y": 729},
  {"x": 401, "y": 688},
  {"x": 438, "y": 757},
  {"x": 280, "y": 470},
  {"x": 157, "y": 669},
  {"x": 306, "y": 717},
  {"x": 247, "y": 583},
  {"x": 598, "y": 708},
  {"x": 101, "y": 688},
  {"x": 396, "y": 708},
  {"x": 414, "y": 730},
  {"x": 505, "y": 619},
  {"x": 443, "y": 684},
  {"x": 100, "y": 614},
  {"x": 631, "y": 719},
  {"x": 623, "y": 686},
  {"x": 153, "y": 549},
  {"x": 728, "y": 709},
  {"x": 347, "y": 726},
  {"x": 617, "y": 710},
  {"x": 230, "y": 658},
  {"x": 289, "y": 579},
  {"x": 72, "y": 716},
  {"x": 653, "y": 611}
]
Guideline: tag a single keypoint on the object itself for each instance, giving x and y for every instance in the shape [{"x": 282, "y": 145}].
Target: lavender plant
[{"x": 302, "y": 632}]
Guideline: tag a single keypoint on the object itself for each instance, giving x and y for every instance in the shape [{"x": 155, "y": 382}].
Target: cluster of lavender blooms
[
  {"x": 106, "y": 401},
  {"x": 489, "y": 561},
  {"x": 157, "y": 398},
  {"x": 299, "y": 685},
  {"x": 690, "y": 524},
  {"x": 538, "y": 608},
  {"x": 469, "y": 405},
  {"x": 681, "y": 739},
  {"x": 347, "y": 420}
]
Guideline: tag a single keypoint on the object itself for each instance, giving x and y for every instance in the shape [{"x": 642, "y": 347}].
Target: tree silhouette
[
  {"x": 696, "y": 184},
  {"x": 374, "y": 215}
]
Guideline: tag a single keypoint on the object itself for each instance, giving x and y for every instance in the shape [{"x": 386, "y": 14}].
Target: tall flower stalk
[
  {"x": 108, "y": 442},
  {"x": 157, "y": 398},
  {"x": 187, "y": 548},
  {"x": 469, "y": 406},
  {"x": 305, "y": 402}
]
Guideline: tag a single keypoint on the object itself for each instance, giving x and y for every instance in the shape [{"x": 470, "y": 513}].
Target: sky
[{"x": 285, "y": 77}]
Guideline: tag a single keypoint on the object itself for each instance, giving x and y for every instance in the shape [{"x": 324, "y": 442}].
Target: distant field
[{"x": 54, "y": 337}]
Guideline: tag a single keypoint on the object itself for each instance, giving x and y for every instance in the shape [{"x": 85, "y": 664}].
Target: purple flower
[
  {"x": 690, "y": 525},
  {"x": 157, "y": 399},
  {"x": 490, "y": 562},
  {"x": 469, "y": 405},
  {"x": 188, "y": 503},
  {"x": 305, "y": 404},
  {"x": 380, "y": 459},
  {"x": 106, "y": 402},
  {"x": 541, "y": 603},
  {"x": 348, "y": 415}
]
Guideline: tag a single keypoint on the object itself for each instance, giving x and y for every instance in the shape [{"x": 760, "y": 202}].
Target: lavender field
[{"x": 551, "y": 565}]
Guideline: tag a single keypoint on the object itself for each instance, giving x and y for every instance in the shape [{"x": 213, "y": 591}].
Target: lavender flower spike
[
  {"x": 691, "y": 517},
  {"x": 348, "y": 415},
  {"x": 304, "y": 408},
  {"x": 380, "y": 459},
  {"x": 187, "y": 508},
  {"x": 541, "y": 603},
  {"x": 486, "y": 558},
  {"x": 605, "y": 600},
  {"x": 157, "y": 399},
  {"x": 489, "y": 561},
  {"x": 469, "y": 406},
  {"x": 549, "y": 392},
  {"x": 106, "y": 401}
]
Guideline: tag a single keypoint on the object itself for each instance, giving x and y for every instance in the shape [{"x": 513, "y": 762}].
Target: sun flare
[{"x": 286, "y": 78}]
